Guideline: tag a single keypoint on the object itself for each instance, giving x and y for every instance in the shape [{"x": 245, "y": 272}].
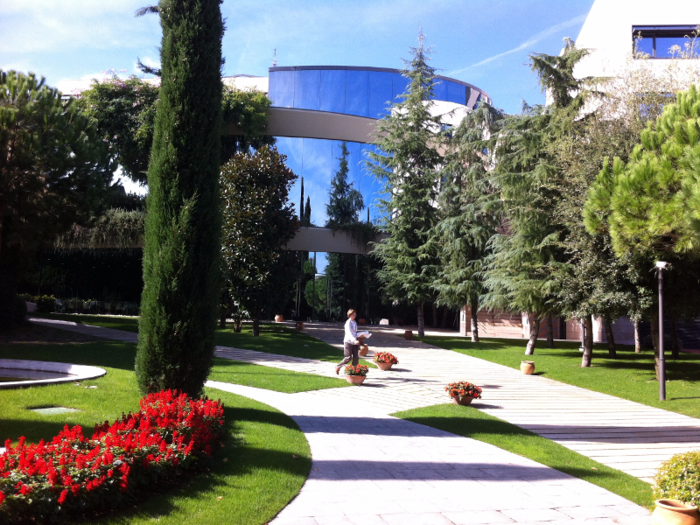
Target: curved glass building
[{"x": 315, "y": 108}]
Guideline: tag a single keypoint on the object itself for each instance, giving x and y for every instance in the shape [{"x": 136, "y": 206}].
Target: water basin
[{"x": 18, "y": 373}]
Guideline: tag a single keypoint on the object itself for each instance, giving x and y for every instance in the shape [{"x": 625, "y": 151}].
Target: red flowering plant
[
  {"x": 73, "y": 475},
  {"x": 385, "y": 357},
  {"x": 359, "y": 370},
  {"x": 463, "y": 389}
]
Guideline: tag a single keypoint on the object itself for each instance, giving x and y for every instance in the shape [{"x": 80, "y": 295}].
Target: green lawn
[
  {"x": 262, "y": 467},
  {"x": 273, "y": 339},
  {"x": 469, "y": 422},
  {"x": 629, "y": 376}
]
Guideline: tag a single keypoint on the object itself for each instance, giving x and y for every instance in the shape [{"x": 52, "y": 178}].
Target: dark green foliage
[
  {"x": 679, "y": 478},
  {"x": 245, "y": 115},
  {"x": 115, "y": 229},
  {"x": 182, "y": 272},
  {"x": 469, "y": 217},
  {"x": 345, "y": 203},
  {"x": 408, "y": 163},
  {"x": 124, "y": 112},
  {"x": 258, "y": 223},
  {"x": 54, "y": 172},
  {"x": 20, "y": 310}
]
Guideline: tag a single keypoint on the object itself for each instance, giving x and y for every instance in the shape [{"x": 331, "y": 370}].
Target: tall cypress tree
[
  {"x": 409, "y": 164},
  {"x": 183, "y": 229}
]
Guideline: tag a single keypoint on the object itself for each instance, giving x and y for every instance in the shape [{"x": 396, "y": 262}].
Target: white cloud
[
  {"x": 525, "y": 45},
  {"x": 48, "y": 25}
]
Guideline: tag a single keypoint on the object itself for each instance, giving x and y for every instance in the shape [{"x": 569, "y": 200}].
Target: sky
[{"x": 484, "y": 43}]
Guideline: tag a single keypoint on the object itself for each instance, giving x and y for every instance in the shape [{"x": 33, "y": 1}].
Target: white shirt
[{"x": 351, "y": 332}]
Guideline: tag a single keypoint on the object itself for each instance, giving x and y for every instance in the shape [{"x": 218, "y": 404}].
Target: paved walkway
[{"x": 384, "y": 470}]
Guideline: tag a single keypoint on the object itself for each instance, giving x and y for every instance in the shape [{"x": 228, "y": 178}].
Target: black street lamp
[{"x": 661, "y": 265}]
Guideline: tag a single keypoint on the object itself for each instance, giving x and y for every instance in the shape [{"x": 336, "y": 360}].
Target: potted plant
[
  {"x": 355, "y": 374},
  {"x": 385, "y": 360},
  {"x": 463, "y": 392}
]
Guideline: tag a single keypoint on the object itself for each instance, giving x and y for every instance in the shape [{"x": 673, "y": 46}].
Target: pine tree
[
  {"x": 183, "y": 228},
  {"x": 468, "y": 217},
  {"x": 408, "y": 163}
]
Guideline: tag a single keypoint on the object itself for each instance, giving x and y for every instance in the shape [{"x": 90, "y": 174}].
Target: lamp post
[{"x": 661, "y": 265}]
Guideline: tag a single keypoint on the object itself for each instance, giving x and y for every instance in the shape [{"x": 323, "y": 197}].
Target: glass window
[
  {"x": 439, "y": 90},
  {"x": 281, "y": 90},
  {"x": 671, "y": 46},
  {"x": 332, "y": 94},
  {"x": 380, "y": 93},
  {"x": 306, "y": 89},
  {"x": 456, "y": 93},
  {"x": 645, "y": 45},
  {"x": 357, "y": 93}
]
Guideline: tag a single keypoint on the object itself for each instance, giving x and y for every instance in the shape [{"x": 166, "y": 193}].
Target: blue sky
[{"x": 484, "y": 43}]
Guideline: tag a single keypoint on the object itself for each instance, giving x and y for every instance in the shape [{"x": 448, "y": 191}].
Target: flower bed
[
  {"x": 74, "y": 476},
  {"x": 359, "y": 370},
  {"x": 385, "y": 357},
  {"x": 463, "y": 388}
]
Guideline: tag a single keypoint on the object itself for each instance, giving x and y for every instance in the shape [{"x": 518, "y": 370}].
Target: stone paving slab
[{"x": 371, "y": 468}]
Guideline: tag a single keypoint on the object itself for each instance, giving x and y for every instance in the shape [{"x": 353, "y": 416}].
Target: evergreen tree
[
  {"x": 259, "y": 271},
  {"x": 525, "y": 256},
  {"x": 468, "y": 216},
  {"x": 183, "y": 227},
  {"x": 347, "y": 272},
  {"x": 54, "y": 172},
  {"x": 408, "y": 163}
]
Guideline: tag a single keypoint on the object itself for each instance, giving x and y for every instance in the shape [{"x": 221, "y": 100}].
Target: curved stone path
[{"x": 369, "y": 467}]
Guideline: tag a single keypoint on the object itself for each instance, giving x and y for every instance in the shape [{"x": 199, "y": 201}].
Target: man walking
[{"x": 351, "y": 345}]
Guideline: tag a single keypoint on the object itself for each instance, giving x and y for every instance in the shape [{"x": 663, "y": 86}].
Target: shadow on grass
[{"x": 113, "y": 354}]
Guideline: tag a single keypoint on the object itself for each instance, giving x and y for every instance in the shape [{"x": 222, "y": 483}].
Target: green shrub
[
  {"x": 45, "y": 303},
  {"x": 679, "y": 478}
]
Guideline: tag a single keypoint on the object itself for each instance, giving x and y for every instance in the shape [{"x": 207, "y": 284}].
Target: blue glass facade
[{"x": 364, "y": 92}]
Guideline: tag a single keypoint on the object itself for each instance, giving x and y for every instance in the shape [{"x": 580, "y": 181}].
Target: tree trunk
[
  {"x": 534, "y": 332},
  {"x": 256, "y": 325},
  {"x": 434, "y": 324},
  {"x": 445, "y": 317},
  {"x": 421, "y": 320},
  {"x": 637, "y": 339},
  {"x": 675, "y": 344},
  {"x": 612, "y": 351},
  {"x": 222, "y": 318},
  {"x": 475, "y": 320},
  {"x": 550, "y": 332},
  {"x": 587, "y": 325},
  {"x": 655, "y": 341}
]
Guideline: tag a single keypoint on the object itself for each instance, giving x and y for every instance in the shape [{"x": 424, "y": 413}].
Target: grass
[
  {"x": 470, "y": 422},
  {"x": 262, "y": 467},
  {"x": 273, "y": 339},
  {"x": 629, "y": 376}
]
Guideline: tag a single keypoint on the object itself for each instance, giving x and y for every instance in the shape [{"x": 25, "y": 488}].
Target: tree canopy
[
  {"x": 54, "y": 170},
  {"x": 258, "y": 222}
]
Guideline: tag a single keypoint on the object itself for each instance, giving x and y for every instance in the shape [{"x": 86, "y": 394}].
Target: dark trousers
[{"x": 351, "y": 352}]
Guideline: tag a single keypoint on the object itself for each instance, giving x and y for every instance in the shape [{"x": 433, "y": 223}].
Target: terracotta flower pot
[
  {"x": 384, "y": 366},
  {"x": 408, "y": 335},
  {"x": 463, "y": 400},
  {"x": 299, "y": 325},
  {"x": 527, "y": 367},
  {"x": 363, "y": 350},
  {"x": 355, "y": 380},
  {"x": 362, "y": 322},
  {"x": 279, "y": 318},
  {"x": 672, "y": 512}
]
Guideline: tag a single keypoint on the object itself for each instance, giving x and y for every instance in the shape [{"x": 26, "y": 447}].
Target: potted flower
[
  {"x": 385, "y": 360},
  {"x": 355, "y": 374},
  {"x": 463, "y": 392}
]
